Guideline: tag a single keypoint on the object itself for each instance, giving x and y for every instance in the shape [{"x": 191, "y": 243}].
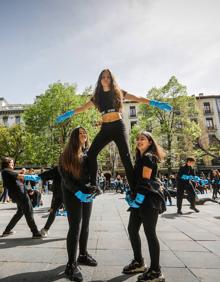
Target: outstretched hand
[
  {"x": 64, "y": 116},
  {"x": 161, "y": 105}
]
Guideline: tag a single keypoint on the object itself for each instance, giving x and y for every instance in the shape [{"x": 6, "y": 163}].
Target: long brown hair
[
  {"x": 70, "y": 160},
  {"x": 118, "y": 97},
  {"x": 154, "y": 148}
]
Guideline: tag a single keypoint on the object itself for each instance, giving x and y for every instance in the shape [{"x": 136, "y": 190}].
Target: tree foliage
[
  {"x": 177, "y": 130},
  {"x": 47, "y": 139}
]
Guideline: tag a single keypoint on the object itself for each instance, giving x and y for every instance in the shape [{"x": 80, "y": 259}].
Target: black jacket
[{"x": 53, "y": 174}]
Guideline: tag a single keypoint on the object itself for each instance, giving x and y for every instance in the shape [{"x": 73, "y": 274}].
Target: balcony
[
  {"x": 211, "y": 128},
  {"x": 208, "y": 111}
]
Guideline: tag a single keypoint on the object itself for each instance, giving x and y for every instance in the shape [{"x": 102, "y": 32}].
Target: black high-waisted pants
[
  {"x": 148, "y": 216},
  {"x": 78, "y": 215},
  {"x": 111, "y": 131}
]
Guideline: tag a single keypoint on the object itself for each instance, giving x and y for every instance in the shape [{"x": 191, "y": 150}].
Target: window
[
  {"x": 207, "y": 108},
  {"x": 133, "y": 123},
  {"x": 209, "y": 123},
  {"x": 17, "y": 119},
  {"x": 5, "y": 120},
  {"x": 132, "y": 111}
]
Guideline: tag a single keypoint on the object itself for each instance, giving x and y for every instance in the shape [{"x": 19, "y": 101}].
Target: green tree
[
  {"x": 13, "y": 142},
  {"x": 47, "y": 139}
]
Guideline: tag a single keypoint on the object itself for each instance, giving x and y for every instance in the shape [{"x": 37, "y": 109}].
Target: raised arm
[
  {"x": 70, "y": 113},
  {"x": 132, "y": 97},
  {"x": 84, "y": 108},
  {"x": 154, "y": 103}
]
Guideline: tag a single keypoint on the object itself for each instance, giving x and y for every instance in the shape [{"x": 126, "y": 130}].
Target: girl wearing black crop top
[
  {"x": 108, "y": 98},
  {"x": 148, "y": 153}
]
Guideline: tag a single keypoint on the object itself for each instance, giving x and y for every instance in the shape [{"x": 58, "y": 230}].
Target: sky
[{"x": 143, "y": 42}]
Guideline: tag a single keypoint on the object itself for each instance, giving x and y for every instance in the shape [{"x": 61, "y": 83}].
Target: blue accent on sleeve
[{"x": 31, "y": 177}]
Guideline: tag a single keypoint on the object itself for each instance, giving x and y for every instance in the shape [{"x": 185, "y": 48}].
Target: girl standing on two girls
[{"x": 108, "y": 99}]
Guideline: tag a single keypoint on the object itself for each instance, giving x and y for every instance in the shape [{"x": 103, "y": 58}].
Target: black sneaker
[
  {"x": 73, "y": 272},
  {"x": 37, "y": 235},
  {"x": 8, "y": 233},
  {"x": 194, "y": 208},
  {"x": 87, "y": 259},
  {"x": 134, "y": 267},
  {"x": 179, "y": 212},
  {"x": 151, "y": 276}
]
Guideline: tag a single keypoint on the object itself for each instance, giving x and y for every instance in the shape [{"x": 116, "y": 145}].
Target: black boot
[
  {"x": 73, "y": 272},
  {"x": 87, "y": 259}
]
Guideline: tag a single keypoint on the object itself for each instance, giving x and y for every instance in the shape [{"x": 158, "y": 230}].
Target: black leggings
[
  {"x": 78, "y": 217},
  {"x": 111, "y": 131},
  {"x": 148, "y": 216},
  {"x": 24, "y": 207},
  {"x": 191, "y": 195},
  {"x": 55, "y": 204}
]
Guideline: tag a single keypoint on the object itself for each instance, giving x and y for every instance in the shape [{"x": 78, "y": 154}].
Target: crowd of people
[{"x": 76, "y": 183}]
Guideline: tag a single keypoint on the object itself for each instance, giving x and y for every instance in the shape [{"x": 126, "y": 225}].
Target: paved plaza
[{"x": 190, "y": 244}]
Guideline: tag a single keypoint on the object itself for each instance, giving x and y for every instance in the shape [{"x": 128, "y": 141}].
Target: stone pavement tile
[
  {"x": 190, "y": 246},
  {"x": 113, "y": 243},
  {"x": 204, "y": 235},
  {"x": 22, "y": 254},
  {"x": 178, "y": 275},
  {"x": 213, "y": 246},
  {"x": 111, "y": 235},
  {"x": 20, "y": 271},
  {"x": 207, "y": 275},
  {"x": 111, "y": 274},
  {"x": 199, "y": 260},
  {"x": 177, "y": 236},
  {"x": 165, "y": 226},
  {"x": 113, "y": 257},
  {"x": 11, "y": 242},
  {"x": 169, "y": 259}
]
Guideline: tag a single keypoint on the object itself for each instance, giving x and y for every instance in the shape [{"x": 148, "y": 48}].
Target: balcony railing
[
  {"x": 208, "y": 111},
  {"x": 212, "y": 127}
]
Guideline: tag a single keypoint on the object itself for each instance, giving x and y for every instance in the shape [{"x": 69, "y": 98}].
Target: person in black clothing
[
  {"x": 35, "y": 197},
  {"x": 14, "y": 182},
  {"x": 108, "y": 99},
  {"x": 57, "y": 199},
  {"x": 215, "y": 183},
  {"x": 186, "y": 185},
  {"x": 77, "y": 195},
  {"x": 146, "y": 205}
]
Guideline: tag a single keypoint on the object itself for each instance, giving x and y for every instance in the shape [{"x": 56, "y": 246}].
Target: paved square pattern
[{"x": 190, "y": 244}]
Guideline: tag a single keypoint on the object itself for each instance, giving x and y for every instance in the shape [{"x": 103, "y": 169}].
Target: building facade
[
  {"x": 10, "y": 114},
  {"x": 210, "y": 108}
]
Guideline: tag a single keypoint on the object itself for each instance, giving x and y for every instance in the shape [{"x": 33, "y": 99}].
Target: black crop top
[{"x": 107, "y": 102}]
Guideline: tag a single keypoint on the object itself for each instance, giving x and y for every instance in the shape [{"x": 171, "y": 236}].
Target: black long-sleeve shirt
[
  {"x": 184, "y": 170},
  {"x": 72, "y": 184},
  {"x": 53, "y": 174}
]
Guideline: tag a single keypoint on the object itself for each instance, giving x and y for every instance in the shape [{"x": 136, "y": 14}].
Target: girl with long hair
[
  {"x": 108, "y": 100},
  {"x": 77, "y": 198},
  {"x": 145, "y": 207}
]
